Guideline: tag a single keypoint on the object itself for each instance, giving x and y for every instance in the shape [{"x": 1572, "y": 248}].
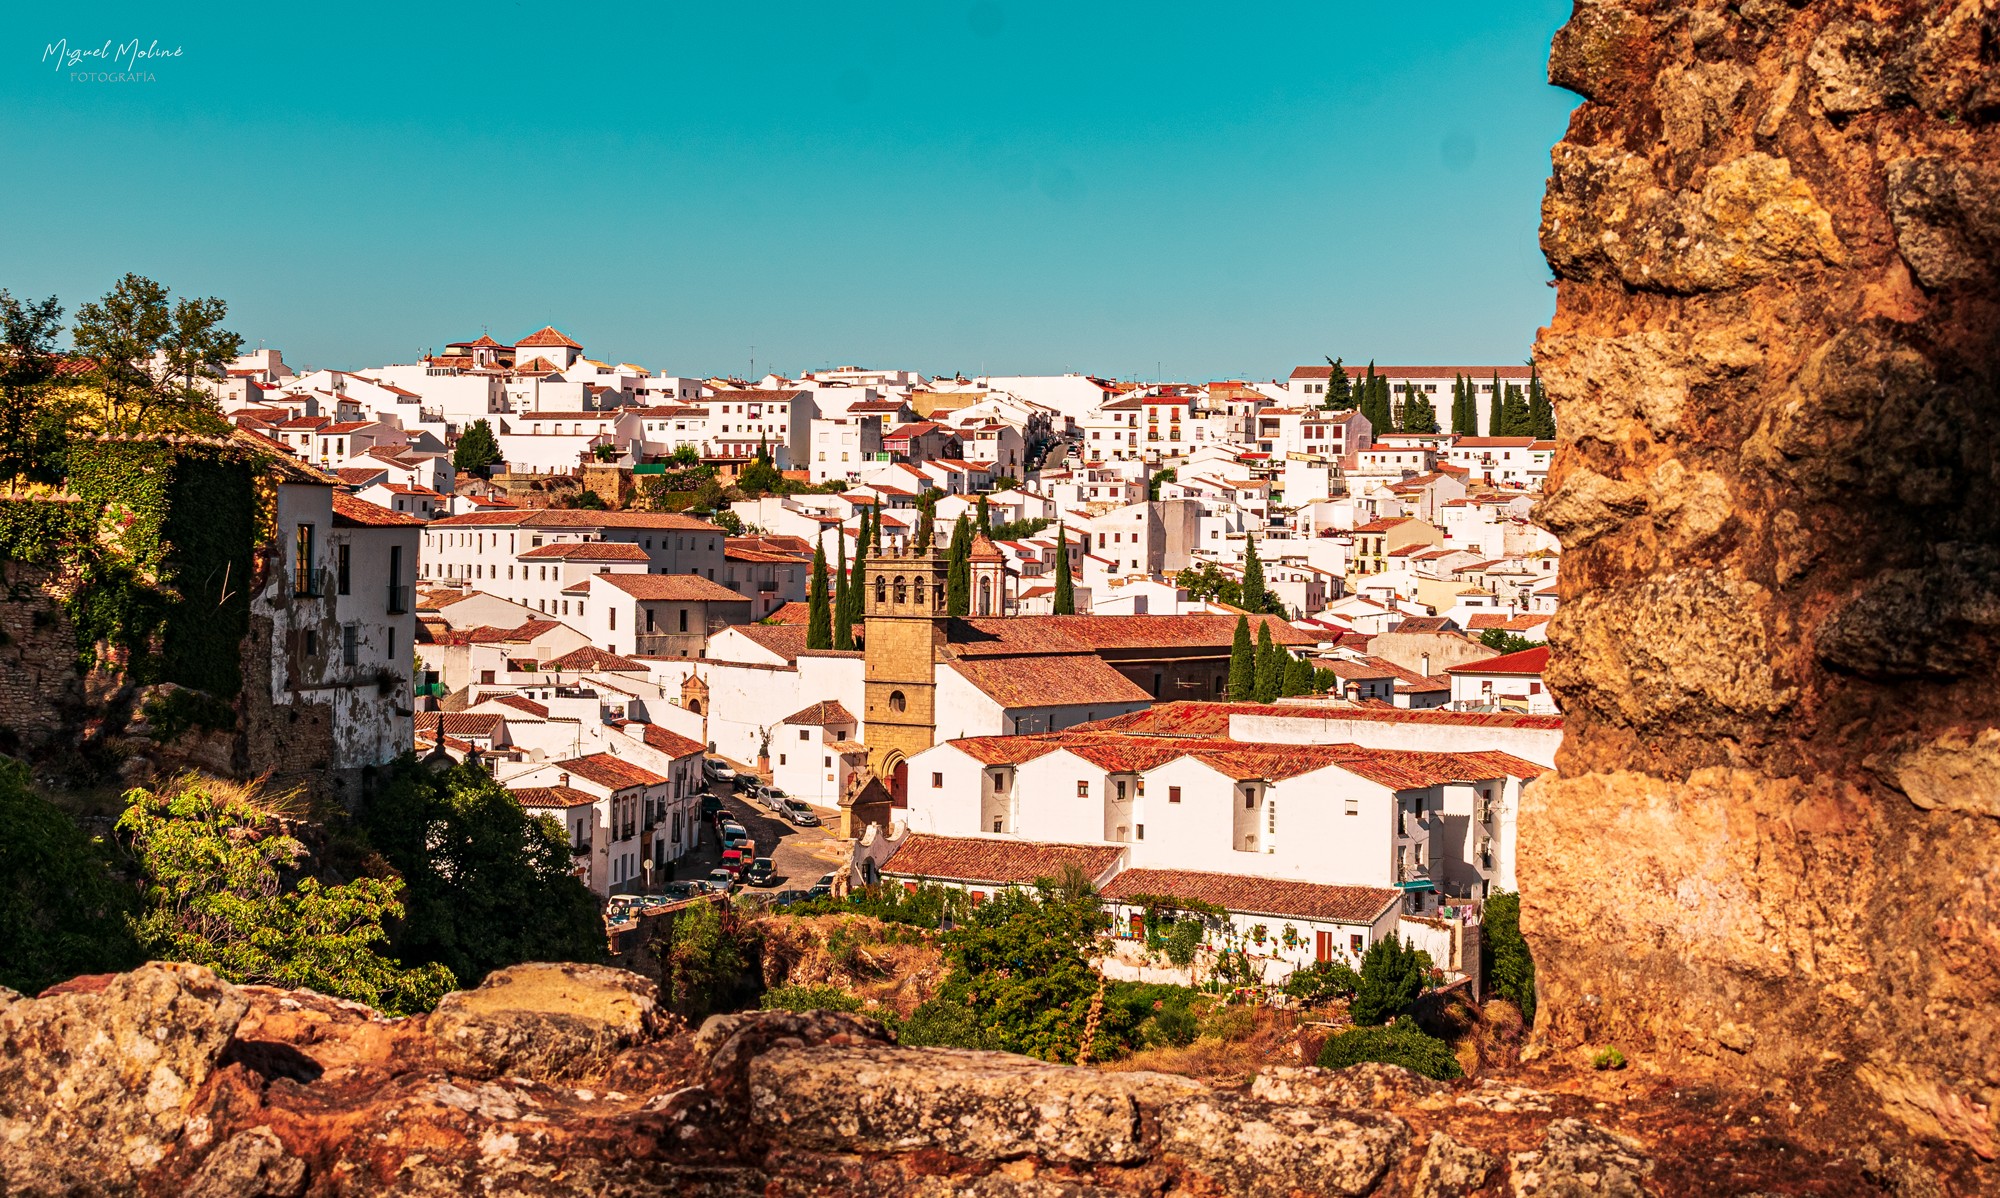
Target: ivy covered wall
[{"x": 152, "y": 558}]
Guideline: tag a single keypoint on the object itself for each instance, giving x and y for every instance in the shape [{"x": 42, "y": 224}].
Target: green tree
[
  {"x": 843, "y": 615},
  {"x": 477, "y": 450},
  {"x": 1165, "y": 475},
  {"x": 1506, "y": 642},
  {"x": 857, "y": 582},
  {"x": 1270, "y": 666},
  {"x": 703, "y": 953},
  {"x": 1065, "y": 601},
  {"x": 1022, "y": 963},
  {"x": 1253, "y": 577},
  {"x": 1393, "y": 974},
  {"x": 1402, "y": 1043},
  {"x": 1514, "y": 419},
  {"x": 1419, "y": 416},
  {"x": 760, "y": 477},
  {"x": 487, "y": 885},
  {"x": 1298, "y": 677},
  {"x": 926, "y": 522},
  {"x": 148, "y": 352},
  {"x": 34, "y": 419},
  {"x": 958, "y": 569},
  {"x": 62, "y": 910},
  {"x": 819, "y": 615},
  {"x": 1242, "y": 664},
  {"x": 943, "y": 1023},
  {"x": 1510, "y": 967},
  {"x": 1541, "y": 418},
  {"x": 214, "y": 894},
  {"x": 590, "y": 501},
  {"x": 1339, "y": 390},
  {"x": 984, "y": 521},
  {"x": 726, "y": 520}
]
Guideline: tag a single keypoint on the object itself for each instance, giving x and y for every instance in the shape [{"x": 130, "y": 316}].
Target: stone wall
[{"x": 1774, "y": 845}]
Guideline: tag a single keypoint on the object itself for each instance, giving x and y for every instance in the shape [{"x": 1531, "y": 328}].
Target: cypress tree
[
  {"x": 819, "y": 617},
  {"x": 1339, "y": 392},
  {"x": 1493, "y": 409},
  {"x": 985, "y": 519},
  {"x": 926, "y": 524},
  {"x": 1270, "y": 665},
  {"x": 1253, "y": 578},
  {"x": 1541, "y": 413},
  {"x": 1065, "y": 604},
  {"x": 1298, "y": 677},
  {"x": 1418, "y": 414},
  {"x": 958, "y": 569},
  {"x": 1242, "y": 664},
  {"x": 857, "y": 583},
  {"x": 1513, "y": 418},
  {"x": 843, "y": 613}
]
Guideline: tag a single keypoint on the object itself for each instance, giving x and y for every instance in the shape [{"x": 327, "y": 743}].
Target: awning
[{"x": 1421, "y": 884}]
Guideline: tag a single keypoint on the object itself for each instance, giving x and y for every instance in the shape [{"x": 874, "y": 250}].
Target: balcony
[
  {"x": 308, "y": 583},
  {"x": 1408, "y": 874},
  {"x": 399, "y": 600},
  {"x": 580, "y": 850}
]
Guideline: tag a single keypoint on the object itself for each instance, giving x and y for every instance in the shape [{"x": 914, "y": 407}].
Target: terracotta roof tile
[
  {"x": 589, "y": 551},
  {"x": 821, "y": 714},
  {"x": 1000, "y": 862},
  {"x": 614, "y": 772},
  {"x": 1247, "y": 895},
  {"x": 686, "y": 588},
  {"x": 673, "y": 744},
  {"x": 1045, "y": 681},
  {"x": 590, "y": 657}
]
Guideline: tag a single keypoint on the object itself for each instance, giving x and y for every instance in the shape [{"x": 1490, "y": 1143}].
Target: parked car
[
  {"x": 717, "y": 771},
  {"x": 821, "y": 888},
  {"x": 797, "y": 812},
  {"x": 733, "y": 832},
  {"x": 785, "y": 898},
  {"x": 771, "y": 797},
  {"x": 711, "y": 805},
  {"x": 684, "y": 890},
  {"x": 720, "y": 881},
  {"x": 761, "y": 873}
]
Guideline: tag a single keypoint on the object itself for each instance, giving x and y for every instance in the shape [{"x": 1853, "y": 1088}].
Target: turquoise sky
[{"x": 1219, "y": 189}]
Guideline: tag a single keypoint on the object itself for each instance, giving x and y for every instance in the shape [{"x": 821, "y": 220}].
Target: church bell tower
[{"x": 904, "y": 612}]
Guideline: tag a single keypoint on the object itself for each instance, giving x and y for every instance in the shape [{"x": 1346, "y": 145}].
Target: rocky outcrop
[
  {"x": 167, "y": 1081},
  {"x": 1772, "y": 850}
]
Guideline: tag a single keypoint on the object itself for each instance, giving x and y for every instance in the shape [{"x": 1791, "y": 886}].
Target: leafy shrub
[
  {"x": 1392, "y": 975},
  {"x": 1510, "y": 968},
  {"x": 926, "y": 907},
  {"x": 703, "y": 953},
  {"x": 1228, "y": 1023},
  {"x": 1159, "y": 1013},
  {"x": 810, "y": 998},
  {"x": 62, "y": 911},
  {"x": 942, "y": 1023},
  {"x": 174, "y": 712},
  {"x": 1321, "y": 981},
  {"x": 1400, "y": 1043},
  {"x": 1608, "y": 1058}
]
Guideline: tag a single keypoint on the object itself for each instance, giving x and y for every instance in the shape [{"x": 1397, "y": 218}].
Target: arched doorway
[{"x": 897, "y": 779}]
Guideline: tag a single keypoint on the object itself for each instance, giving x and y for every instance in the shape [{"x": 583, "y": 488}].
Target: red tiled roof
[
  {"x": 821, "y": 714},
  {"x": 1023, "y": 635},
  {"x": 459, "y": 723},
  {"x": 349, "y": 512},
  {"x": 791, "y": 613},
  {"x": 552, "y": 796},
  {"x": 519, "y": 702},
  {"x": 590, "y": 551},
  {"x": 1050, "y": 681},
  {"x": 686, "y": 588},
  {"x": 614, "y": 772},
  {"x": 1476, "y": 373},
  {"x": 1001, "y": 862},
  {"x": 574, "y": 518},
  {"x": 673, "y": 744},
  {"x": 590, "y": 657},
  {"x": 1527, "y": 661},
  {"x": 1114, "y": 752},
  {"x": 1247, "y": 895},
  {"x": 547, "y": 335}
]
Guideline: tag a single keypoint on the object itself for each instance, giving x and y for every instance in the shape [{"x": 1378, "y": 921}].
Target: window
[
  {"x": 937, "y": 781},
  {"x": 896, "y": 701},
  {"x": 684, "y": 619},
  {"x": 612, "y": 617},
  {"x": 996, "y": 823},
  {"x": 1354, "y": 944},
  {"x": 1249, "y": 798},
  {"x": 781, "y": 759},
  {"x": 1121, "y": 792},
  {"x": 1139, "y": 830},
  {"x": 1082, "y": 789},
  {"x": 1173, "y": 794},
  {"x": 311, "y": 644},
  {"x": 302, "y": 561},
  {"x": 341, "y": 576},
  {"x": 350, "y": 644},
  {"x": 392, "y": 642},
  {"x": 1271, "y": 816}
]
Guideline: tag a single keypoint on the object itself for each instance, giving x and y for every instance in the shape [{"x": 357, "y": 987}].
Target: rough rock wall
[
  {"x": 1775, "y": 839},
  {"x": 568, "y": 1079}
]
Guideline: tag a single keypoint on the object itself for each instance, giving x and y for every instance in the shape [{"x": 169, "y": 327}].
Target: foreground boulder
[{"x": 557, "y": 1080}]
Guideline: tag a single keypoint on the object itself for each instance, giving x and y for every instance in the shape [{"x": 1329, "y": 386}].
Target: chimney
[
  {"x": 1427, "y": 665},
  {"x": 562, "y": 779}
]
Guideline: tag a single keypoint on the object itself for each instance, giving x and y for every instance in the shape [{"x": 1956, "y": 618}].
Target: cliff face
[
  {"x": 1774, "y": 844},
  {"x": 556, "y": 1080}
]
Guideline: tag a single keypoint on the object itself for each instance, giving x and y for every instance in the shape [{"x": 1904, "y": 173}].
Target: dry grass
[
  {"x": 1271, "y": 1038},
  {"x": 890, "y": 965}
]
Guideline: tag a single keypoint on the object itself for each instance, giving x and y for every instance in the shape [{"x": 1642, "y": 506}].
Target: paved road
[{"x": 801, "y": 854}]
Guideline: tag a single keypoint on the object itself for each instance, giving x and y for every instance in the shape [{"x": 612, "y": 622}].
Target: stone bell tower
[{"x": 904, "y": 610}]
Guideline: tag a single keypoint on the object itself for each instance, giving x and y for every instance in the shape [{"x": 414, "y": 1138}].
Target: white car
[{"x": 718, "y": 771}]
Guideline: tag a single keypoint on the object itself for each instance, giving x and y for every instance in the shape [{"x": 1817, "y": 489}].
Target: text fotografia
[{"x": 120, "y": 61}]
